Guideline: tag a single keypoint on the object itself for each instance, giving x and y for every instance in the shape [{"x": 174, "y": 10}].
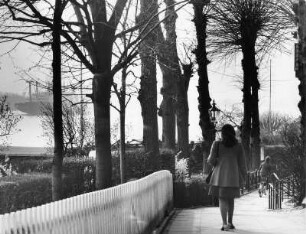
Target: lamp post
[{"x": 214, "y": 112}]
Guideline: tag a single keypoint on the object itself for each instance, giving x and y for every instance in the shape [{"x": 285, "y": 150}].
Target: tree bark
[
  {"x": 247, "y": 112},
  {"x": 207, "y": 127},
  {"x": 169, "y": 64},
  {"x": 101, "y": 102},
  {"x": 250, "y": 127},
  {"x": 182, "y": 110},
  {"x": 148, "y": 84},
  {"x": 255, "y": 133},
  {"x": 122, "y": 125},
  {"x": 301, "y": 74},
  {"x": 104, "y": 36},
  {"x": 57, "y": 104}
]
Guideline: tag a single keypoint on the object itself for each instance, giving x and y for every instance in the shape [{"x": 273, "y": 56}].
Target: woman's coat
[{"x": 230, "y": 165}]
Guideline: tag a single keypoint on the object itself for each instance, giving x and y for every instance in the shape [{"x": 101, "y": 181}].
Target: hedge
[
  {"x": 24, "y": 191},
  {"x": 34, "y": 188}
]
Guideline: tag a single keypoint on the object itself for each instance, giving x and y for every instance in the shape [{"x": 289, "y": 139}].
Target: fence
[
  {"x": 252, "y": 181},
  {"x": 279, "y": 190},
  {"x": 131, "y": 208},
  {"x": 275, "y": 192}
]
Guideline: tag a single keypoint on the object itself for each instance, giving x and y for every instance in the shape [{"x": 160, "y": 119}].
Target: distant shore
[{"x": 26, "y": 151}]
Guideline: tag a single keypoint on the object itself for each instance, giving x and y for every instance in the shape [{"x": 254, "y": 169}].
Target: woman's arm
[{"x": 212, "y": 159}]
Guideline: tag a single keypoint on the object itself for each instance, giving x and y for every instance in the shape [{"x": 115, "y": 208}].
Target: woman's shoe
[
  {"x": 231, "y": 226},
  {"x": 225, "y": 228}
]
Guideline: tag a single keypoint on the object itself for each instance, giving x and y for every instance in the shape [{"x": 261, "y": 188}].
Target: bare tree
[
  {"x": 74, "y": 129},
  {"x": 8, "y": 121},
  {"x": 255, "y": 28},
  {"x": 169, "y": 63},
  {"x": 201, "y": 9},
  {"x": 148, "y": 84},
  {"x": 271, "y": 125},
  {"x": 124, "y": 93},
  {"x": 57, "y": 100},
  {"x": 182, "y": 109},
  {"x": 88, "y": 36}
]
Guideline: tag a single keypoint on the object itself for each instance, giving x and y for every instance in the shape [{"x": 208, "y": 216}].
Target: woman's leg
[
  {"x": 260, "y": 189},
  {"x": 223, "y": 204},
  {"x": 230, "y": 210}
]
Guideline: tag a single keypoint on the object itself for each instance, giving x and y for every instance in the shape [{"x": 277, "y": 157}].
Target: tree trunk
[
  {"x": 167, "y": 110},
  {"x": 104, "y": 37},
  {"x": 301, "y": 74},
  {"x": 101, "y": 101},
  {"x": 148, "y": 85},
  {"x": 250, "y": 126},
  {"x": 247, "y": 112},
  {"x": 207, "y": 127},
  {"x": 122, "y": 126},
  {"x": 57, "y": 104},
  {"x": 169, "y": 64},
  {"x": 182, "y": 110},
  {"x": 255, "y": 133},
  {"x": 148, "y": 100}
]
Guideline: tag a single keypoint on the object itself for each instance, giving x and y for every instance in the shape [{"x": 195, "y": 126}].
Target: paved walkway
[{"x": 251, "y": 216}]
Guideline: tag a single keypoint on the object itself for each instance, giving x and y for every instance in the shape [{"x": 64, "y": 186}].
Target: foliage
[
  {"x": 8, "y": 121},
  {"x": 6, "y": 168},
  {"x": 78, "y": 178},
  {"x": 24, "y": 191},
  {"x": 181, "y": 169},
  {"x": 291, "y": 161},
  {"x": 271, "y": 127},
  {"x": 191, "y": 192}
]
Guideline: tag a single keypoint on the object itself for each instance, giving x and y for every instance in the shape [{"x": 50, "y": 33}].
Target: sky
[{"x": 224, "y": 89}]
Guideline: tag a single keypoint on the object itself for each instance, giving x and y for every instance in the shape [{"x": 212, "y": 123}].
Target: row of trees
[{"x": 107, "y": 37}]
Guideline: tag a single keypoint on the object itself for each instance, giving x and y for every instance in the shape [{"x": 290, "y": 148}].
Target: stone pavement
[{"x": 250, "y": 216}]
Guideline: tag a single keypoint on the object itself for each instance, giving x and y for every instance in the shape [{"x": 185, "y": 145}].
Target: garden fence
[{"x": 131, "y": 208}]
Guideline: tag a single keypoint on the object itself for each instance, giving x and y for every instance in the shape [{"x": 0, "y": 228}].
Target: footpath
[{"x": 250, "y": 216}]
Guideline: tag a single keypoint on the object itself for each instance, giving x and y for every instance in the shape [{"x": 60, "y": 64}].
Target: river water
[{"x": 30, "y": 134}]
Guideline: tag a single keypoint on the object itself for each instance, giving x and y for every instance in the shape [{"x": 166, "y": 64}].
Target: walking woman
[{"x": 229, "y": 173}]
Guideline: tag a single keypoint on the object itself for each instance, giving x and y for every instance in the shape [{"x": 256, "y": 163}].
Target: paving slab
[{"x": 250, "y": 216}]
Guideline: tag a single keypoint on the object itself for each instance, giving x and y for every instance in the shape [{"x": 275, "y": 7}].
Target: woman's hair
[{"x": 228, "y": 135}]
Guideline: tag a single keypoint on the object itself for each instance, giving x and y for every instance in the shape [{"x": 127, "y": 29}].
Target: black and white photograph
[{"x": 152, "y": 116}]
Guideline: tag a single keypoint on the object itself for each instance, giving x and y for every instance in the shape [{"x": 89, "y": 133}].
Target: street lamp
[{"x": 214, "y": 111}]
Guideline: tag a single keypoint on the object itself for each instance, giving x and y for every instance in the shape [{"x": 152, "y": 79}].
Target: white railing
[{"x": 131, "y": 208}]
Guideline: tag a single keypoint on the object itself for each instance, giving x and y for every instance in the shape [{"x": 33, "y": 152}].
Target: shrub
[
  {"x": 78, "y": 178},
  {"x": 24, "y": 191},
  {"x": 31, "y": 164},
  {"x": 291, "y": 160},
  {"x": 192, "y": 191}
]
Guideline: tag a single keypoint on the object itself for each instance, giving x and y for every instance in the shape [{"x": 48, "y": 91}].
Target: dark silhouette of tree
[
  {"x": 169, "y": 64},
  {"x": 57, "y": 101},
  {"x": 182, "y": 109},
  {"x": 148, "y": 84},
  {"x": 255, "y": 28},
  {"x": 201, "y": 9},
  {"x": 87, "y": 36}
]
